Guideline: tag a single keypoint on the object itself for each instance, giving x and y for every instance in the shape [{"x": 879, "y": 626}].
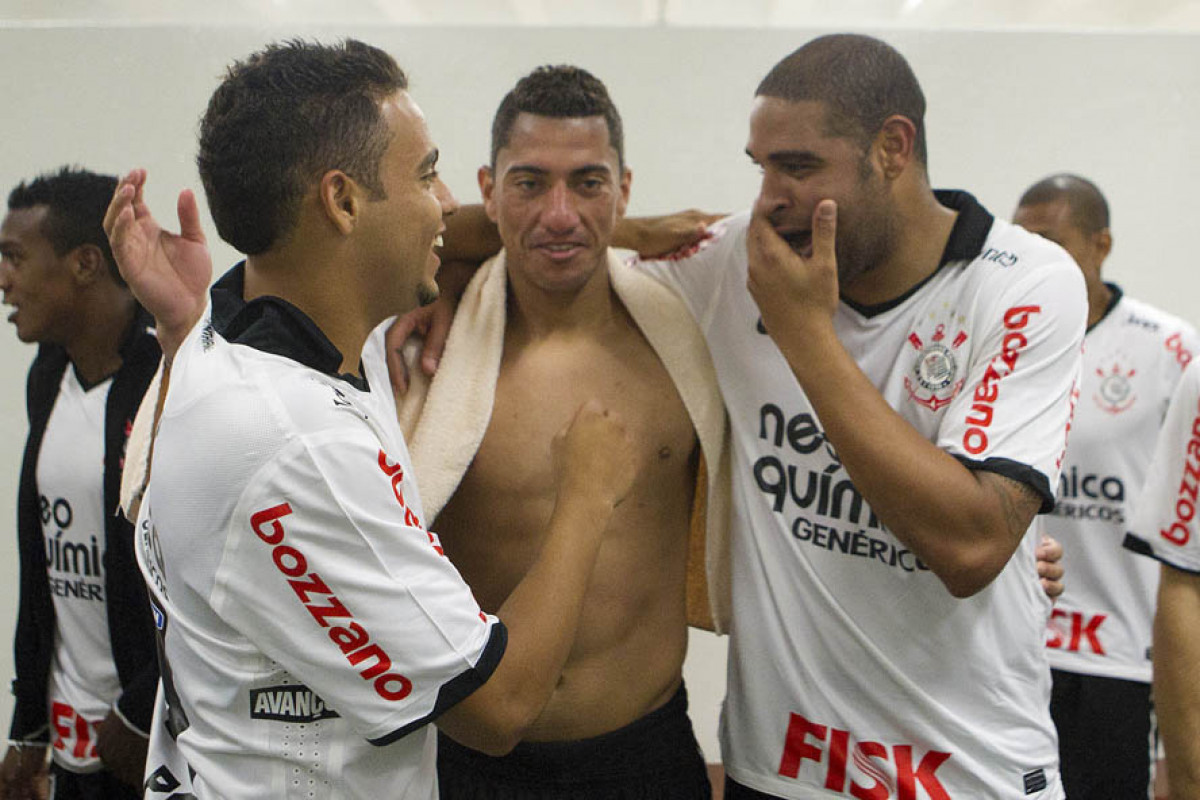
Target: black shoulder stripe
[
  {"x": 1141, "y": 547},
  {"x": 1015, "y": 470}
]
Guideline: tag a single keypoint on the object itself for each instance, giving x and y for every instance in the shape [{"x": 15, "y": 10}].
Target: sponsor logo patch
[{"x": 288, "y": 704}]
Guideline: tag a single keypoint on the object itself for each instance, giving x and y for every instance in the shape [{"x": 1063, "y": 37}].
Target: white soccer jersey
[
  {"x": 308, "y": 616},
  {"x": 1164, "y": 523},
  {"x": 83, "y": 681},
  {"x": 1132, "y": 360},
  {"x": 853, "y": 671}
]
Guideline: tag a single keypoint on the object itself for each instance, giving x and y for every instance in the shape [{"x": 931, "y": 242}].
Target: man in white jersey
[
  {"x": 899, "y": 406},
  {"x": 86, "y": 670},
  {"x": 311, "y": 626},
  {"x": 1165, "y": 526},
  {"x": 1098, "y": 641}
]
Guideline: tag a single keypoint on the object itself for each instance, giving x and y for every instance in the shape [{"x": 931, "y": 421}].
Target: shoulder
[
  {"x": 1013, "y": 250},
  {"x": 1141, "y": 317},
  {"x": 1015, "y": 267},
  {"x": 242, "y": 395}
]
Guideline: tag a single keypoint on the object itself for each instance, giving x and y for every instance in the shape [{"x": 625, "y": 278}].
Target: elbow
[
  {"x": 494, "y": 743},
  {"x": 970, "y": 573},
  {"x": 494, "y": 728}
]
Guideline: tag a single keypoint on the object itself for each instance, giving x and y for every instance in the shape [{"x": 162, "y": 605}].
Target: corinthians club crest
[
  {"x": 1115, "y": 393},
  {"x": 934, "y": 381}
]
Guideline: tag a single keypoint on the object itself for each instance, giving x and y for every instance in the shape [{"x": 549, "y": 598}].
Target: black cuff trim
[
  {"x": 1015, "y": 470},
  {"x": 1141, "y": 547},
  {"x": 458, "y": 688}
]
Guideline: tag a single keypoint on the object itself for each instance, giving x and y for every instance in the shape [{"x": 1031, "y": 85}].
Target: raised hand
[
  {"x": 169, "y": 273},
  {"x": 790, "y": 288},
  {"x": 595, "y": 454}
]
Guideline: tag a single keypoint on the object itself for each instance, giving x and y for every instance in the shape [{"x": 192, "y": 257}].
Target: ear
[
  {"x": 895, "y": 145},
  {"x": 341, "y": 199},
  {"x": 1103, "y": 242},
  {"x": 626, "y": 183},
  {"x": 87, "y": 264},
  {"x": 487, "y": 188}
]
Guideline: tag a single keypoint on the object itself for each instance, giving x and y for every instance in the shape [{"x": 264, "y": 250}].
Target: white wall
[{"x": 1005, "y": 109}]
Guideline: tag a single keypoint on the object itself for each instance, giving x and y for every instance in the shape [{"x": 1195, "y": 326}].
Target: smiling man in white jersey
[
  {"x": 1098, "y": 641},
  {"x": 311, "y": 626},
  {"x": 86, "y": 671}
]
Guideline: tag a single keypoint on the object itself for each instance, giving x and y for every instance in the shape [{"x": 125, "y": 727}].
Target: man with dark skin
[{"x": 84, "y": 648}]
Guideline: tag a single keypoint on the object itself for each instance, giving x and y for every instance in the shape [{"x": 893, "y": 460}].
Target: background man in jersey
[
  {"x": 308, "y": 616},
  {"x": 899, "y": 380},
  {"x": 1099, "y": 636},
  {"x": 1165, "y": 526},
  {"x": 551, "y": 321},
  {"x": 84, "y": 649}
]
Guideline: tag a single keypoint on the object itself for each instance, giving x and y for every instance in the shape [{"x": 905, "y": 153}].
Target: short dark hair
[
  {"x": 76, "y": 201},
  {"x": 561, "y": 91},
  {"x": 860, "y": 80},
  {"x": 282, "y": 118},
  {"x": 1089, "y": 209}
]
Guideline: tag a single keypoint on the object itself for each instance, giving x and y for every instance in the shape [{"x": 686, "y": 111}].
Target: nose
[
  {"x": 559, "y": 214},
  {"x": 772, "y": 195},
  {"x": 446, "y": 199},
  {"x": 5, "y": 275}
]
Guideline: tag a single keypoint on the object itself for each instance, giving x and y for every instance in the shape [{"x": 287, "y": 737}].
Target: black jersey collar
[
  {"x": 273, "y": 325},
  {"x": 966, "y": 242}
]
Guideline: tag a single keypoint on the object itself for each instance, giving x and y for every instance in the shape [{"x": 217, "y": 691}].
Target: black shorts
[
  {"x": 1106, "y": 736},
  {"x": 102, "y": 785},
  {"x": 656, "y": 756}
]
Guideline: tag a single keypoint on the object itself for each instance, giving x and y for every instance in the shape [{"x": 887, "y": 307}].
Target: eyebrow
[
  {"x": 790, "y": 157},
  {"x": 536, "y": 170}
]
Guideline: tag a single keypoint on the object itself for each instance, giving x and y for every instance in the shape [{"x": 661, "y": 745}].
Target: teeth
[{"x": 438, "y": 241}]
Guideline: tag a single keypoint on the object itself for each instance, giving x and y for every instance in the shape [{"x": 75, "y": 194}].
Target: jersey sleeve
[
  {"x": 696, "y": 273},
  {"x": 1013, "y": 414},
  {"x": 329, "y": 570},
  {"x": 1164, "y": 524}
]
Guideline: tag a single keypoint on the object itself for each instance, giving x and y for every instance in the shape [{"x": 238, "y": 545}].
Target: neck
[
  {"x": 103, "y": 324},
  {"x": 921, "y": 230},
  {"x": 536, "y": 312},
  {"x": 1099, "y": 296},
  {"x": 316, "y": 285}
]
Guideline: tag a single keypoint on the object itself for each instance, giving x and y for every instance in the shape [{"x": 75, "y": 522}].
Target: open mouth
[{"x": 799, "y": 241}]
